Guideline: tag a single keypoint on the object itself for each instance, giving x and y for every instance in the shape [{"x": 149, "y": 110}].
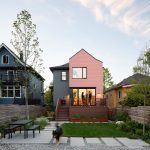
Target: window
[
  {"x": 11, "y": 91},
  {"x": 79, "y": 73},
  {"x": 10, "y": 74},
  {"x": 17, "y": 91},
  {"x": 84, "y": 96},
  {"x": 119, "y": 94},
  {"x": 5, "y": 59},
  {"x": 63, "y": 75}
]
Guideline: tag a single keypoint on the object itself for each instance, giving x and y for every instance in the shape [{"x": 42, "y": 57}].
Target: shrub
[
  {"x": 123, "y": 127},
  {"x": 139, "y": 132},
  {"x": 42, "y": 121},
  {"x": 122, "y": 116},
  {"x": 146, "y": 136},
  {"x": 130, "y": 126},
  {"x": 51, "y": 115},
  {"x": 119, "y": 122},
  {"x": 148, "y": 141},
  {"x": 77, "y": 116}
]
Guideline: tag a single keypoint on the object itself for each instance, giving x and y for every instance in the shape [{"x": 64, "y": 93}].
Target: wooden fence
[
  {"x": 8, "y": 112},
  {"x": 137, "y": 113}
]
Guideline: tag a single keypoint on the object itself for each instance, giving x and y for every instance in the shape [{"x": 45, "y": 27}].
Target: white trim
[
  {"x": 3, "y": 59},
  {"x": 131, "y": 85},
  {"x": 14, "y": 89},
  {"x": 3, "y": 45},
  {"x": 63, "y": 75},
  {"x": 8, "y": 74}
]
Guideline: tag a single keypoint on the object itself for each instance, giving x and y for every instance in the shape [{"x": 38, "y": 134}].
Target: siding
[
  {"x": 94, "y": 71},
  {"x": 61, "y": 88},
  {"x": 35, "y": 89}
]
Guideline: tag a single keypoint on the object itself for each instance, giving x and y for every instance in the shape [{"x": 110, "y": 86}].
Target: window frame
[
  {"x": 79, "y": 88},
  {"x": 82, "y": 72},
  {"x": 8, "y": 75},
  {"x": 119, "y": 94},
  {"x": 3, "y": 59},
  {"x": 14, "y": 89},
  {"x": 63, "y": 76}
]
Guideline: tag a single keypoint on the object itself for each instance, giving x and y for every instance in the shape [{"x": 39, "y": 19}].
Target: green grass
[{"x": 92, "y": 130}]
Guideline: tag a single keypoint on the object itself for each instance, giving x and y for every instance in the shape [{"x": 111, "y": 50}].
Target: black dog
[{"x": 57, "y": 133}]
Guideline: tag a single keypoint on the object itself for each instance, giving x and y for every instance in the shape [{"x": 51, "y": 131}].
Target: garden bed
[{"x": 89, "y": 120}]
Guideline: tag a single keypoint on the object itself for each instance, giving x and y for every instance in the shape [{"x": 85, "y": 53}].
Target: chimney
[{"x": 21, "y": 56}]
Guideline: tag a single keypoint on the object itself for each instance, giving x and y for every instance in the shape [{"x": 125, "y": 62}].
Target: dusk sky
[{"x": 113, "y": 31}]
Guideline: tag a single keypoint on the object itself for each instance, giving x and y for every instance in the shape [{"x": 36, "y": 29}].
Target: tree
[
  {"x": 107, "y": 79},
  {"x": 143, "y": 67},
  {"x": 135, "y": 97},
  {"x": 26, "y": 43},
  {"x": 143, "y": 63},
  {"x": 48, "y": 96}
]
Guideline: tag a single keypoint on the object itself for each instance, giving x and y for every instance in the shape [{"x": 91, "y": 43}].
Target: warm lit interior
[{"x": 83, "y": 97}]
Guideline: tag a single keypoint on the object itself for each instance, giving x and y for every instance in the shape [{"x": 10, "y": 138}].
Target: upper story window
[
  {"x": 63, "y": 76},
  {"x": 79, "y": 73},
  {"x": 5, "y": 59}
]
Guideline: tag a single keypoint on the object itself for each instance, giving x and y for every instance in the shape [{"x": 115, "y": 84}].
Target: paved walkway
[{"x": 44, "y": 139}]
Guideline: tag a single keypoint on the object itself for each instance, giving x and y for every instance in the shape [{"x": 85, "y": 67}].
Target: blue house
[{"x": 12, "y": 80}]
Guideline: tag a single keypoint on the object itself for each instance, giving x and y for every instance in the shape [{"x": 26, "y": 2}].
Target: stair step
[{"x": 62, "y": 114}]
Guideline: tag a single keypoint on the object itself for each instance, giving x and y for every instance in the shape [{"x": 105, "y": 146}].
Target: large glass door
[{"x": 84, "y": 96}]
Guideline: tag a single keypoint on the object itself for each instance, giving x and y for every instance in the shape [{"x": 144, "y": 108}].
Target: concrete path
[
  {"x": 132, "y": 143},
  {"x": 93, "y": 141},
  {"x": 77, "y": 141},
  {"x": 111, "y": 142}
]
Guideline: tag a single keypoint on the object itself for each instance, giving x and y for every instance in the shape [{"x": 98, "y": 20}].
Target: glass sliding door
[
  {"x": 84, "y": 96},
  {"x": 91, "y": 96},
  {"x": 75, "y": 97}
]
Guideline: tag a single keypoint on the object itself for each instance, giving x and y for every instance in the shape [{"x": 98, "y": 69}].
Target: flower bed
[{"x": 89, "y": 120}]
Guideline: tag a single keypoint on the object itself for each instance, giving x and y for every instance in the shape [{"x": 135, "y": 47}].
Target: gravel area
[{"x": 61, "y": 147}]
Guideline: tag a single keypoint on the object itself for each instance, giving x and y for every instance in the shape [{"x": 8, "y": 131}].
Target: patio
[
  {"x": 45, "y": 136},
  {"x": 45, "y": 140}
]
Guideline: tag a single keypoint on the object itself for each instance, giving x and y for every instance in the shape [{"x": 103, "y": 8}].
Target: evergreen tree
[{"x": 107, "y": 79}]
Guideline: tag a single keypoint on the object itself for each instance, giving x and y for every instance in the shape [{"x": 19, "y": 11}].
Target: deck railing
[{"x": 57, "y": 108}]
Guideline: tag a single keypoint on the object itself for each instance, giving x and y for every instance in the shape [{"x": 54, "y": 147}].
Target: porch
[{"x": 66, "y": 111}]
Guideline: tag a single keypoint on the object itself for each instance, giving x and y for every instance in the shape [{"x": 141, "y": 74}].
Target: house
[
  {"x": 12, "y": 80},
  {"x": 79, "y": 85},
  {"x": 116, "y": 93}
]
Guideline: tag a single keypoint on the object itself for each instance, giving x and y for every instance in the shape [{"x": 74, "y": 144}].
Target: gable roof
[
  {"x": 21, "y": 62},
  {"x": 85, "y": 52},
  {"x": 61, "y": 67},
  {"x": 131, "y": 80},
  {"x": 12, "y": 53}
]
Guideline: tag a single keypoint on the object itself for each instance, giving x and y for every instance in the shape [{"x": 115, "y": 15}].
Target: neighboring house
[
  {"x": 12, "y": 80},
  {"x": 80, "y": 83},
  {"x": 116, "y": 93}
]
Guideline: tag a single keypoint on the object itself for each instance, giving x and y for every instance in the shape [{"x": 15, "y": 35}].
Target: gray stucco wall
[{"x": 61, "y": 88}]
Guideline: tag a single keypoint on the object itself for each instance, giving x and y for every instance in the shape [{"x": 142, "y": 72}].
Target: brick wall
[
  {"x": 137, "y": 113},
  {"x": 7, "y": 112}
]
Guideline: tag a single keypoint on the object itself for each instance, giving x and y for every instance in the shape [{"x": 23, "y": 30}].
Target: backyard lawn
[{"x": 92, "y": 130}]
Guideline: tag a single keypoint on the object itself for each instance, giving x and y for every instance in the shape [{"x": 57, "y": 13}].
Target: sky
[{"x": 113, "y": 31}]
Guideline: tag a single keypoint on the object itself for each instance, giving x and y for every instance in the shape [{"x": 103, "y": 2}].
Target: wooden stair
[{"x": 62, "y": 114}]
